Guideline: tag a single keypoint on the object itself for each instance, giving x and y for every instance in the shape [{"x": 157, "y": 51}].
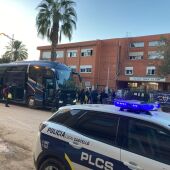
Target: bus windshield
[{"x": 66, "y": 80}]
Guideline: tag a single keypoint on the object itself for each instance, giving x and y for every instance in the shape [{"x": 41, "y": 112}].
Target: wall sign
[
  {"x": 153, "y": 79},
  {"x": 87, "y": 83}
]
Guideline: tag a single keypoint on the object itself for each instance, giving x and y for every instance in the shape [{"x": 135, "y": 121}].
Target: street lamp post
[{"x": 12, "y": 39}]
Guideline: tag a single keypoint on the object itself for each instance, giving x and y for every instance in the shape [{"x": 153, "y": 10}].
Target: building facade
[{"x": 130, "y": 62}]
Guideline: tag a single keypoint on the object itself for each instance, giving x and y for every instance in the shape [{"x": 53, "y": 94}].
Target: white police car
[{"x": 105, "y": 137}]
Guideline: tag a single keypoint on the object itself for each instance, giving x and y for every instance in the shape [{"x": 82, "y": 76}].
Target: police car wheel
[
  {"x": 31, "y": 102},
  {"x": 51, "y": 164}
]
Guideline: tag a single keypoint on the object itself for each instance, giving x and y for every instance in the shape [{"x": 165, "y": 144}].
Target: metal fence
[
  {"x": 151, "y": 96},
  {"x": 162, "y": 97}
]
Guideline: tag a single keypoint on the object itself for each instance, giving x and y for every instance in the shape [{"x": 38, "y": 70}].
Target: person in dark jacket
[
  {"x": 5, "y": 93},
  {"x": 87, "y": 93},
  {"x": 94, "y": 96},
  {"x": 82, "y": 96},
  {"x": 103, "y": 97}
]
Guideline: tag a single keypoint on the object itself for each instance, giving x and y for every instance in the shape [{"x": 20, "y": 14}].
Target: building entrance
[
  {"x": 144, "y": 86},
  {"x": 149, "y": 86}
]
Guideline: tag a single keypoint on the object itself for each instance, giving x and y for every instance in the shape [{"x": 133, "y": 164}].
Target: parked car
[{"x": 130, "y": 135}]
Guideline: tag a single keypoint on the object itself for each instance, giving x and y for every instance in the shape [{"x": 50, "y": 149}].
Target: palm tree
[
  {"x": 56, "y": 17},
  {"x": 15, "y": 51}
]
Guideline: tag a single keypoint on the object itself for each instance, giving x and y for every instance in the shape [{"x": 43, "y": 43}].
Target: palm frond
[
  {"x": 16, "y": 50},
  {"x": 56, "y": 17}
]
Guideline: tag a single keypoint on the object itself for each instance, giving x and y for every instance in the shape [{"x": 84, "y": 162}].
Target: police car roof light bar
[{"x": 136, "y": 105}]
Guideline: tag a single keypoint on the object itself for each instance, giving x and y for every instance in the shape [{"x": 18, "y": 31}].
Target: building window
[
  {"x": 86, "y": 52},
  {"x": 85, "y": 69},
  {"x": 156, "y": 43},
  {"x": 155, "y": 55},
  {"x": 59, "y": 54},
  {"x": 73, "y": 68},
  {"x": 136, "y": 55},
  {"x": 150, "y": 70},
  {"x": 72, "y": 53},
  {"x": 46, "y": 55},
  {"x": 136, "y": 44},
  {"x": 128, "y": 70}
]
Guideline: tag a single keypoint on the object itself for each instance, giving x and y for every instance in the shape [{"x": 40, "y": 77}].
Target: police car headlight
[
  {"x": 74, "y": 101},
  {"x": 42, "y": 126},
  {"x": 60, "y": 101}
]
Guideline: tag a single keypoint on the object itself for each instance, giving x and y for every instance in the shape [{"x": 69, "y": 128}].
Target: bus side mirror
[
  {"x": 55, "y": 73},
  {"x": 75, "y": 73},
  {"x": 57, "y": 76},
  {"x": 80, "y": 78}
]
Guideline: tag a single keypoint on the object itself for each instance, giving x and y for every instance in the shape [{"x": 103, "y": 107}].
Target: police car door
[
  {"x": 94, "y": 143},
  {"x": 145, "y": 146}
]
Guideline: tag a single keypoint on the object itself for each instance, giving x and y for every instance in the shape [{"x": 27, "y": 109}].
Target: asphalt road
[{"x": 18, "y": 130}]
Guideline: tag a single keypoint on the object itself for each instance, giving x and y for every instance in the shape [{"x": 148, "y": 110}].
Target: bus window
[
  {"x": 40, "y": 77},
  {"x": 2, "y": 70},
  {"x": 38, "y": 74},
  {"x": 67, "y": 80},
  {"x": 18, "y": 68},
  {"x": 33, "y": 73},
  {"x": 15, "y": 78},
  {"x": 63, "y": 77},
  {"x": 48, "y": 72},
  {"x": 77, "y": 79}
]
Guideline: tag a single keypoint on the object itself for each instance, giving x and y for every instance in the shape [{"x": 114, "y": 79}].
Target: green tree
[
  {"x": 15, "y": 51},
  {"x": 164, "y": 49},
  {"x": 54, "y": 19},
  {"x": 5, "y": 59}
]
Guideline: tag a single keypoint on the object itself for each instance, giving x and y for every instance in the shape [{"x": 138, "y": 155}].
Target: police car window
[
  {"x": 65, "y": 116},
  {"x": 98, "y": 125},
  {"x": 149, "y": 140}
]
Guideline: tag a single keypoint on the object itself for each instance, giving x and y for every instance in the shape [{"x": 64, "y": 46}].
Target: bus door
[
  {"x": 41, "y": 85},
  {"x": 1, "y": 87},
  {"x": 16, "y": 81},
  {"x": 35, "y": 88},
  {"x": 49, "y": 91}
]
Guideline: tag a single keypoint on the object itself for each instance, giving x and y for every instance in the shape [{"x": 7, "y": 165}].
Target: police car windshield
[{"x": 63, "y": 116}]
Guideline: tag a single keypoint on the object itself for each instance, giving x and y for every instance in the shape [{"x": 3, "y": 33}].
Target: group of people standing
[
  {"x": 95, "y": 96},
  {"x": 87, "y": 96}
]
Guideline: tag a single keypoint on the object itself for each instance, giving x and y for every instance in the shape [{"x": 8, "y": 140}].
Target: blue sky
[
  {"x": 114, "y": 18},
  {"x": 97, "y": 19}
]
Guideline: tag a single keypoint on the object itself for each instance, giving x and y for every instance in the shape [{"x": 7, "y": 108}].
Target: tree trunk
[
  {"x": 53, "y": 51},
  {"x": 54, "y": 40}
]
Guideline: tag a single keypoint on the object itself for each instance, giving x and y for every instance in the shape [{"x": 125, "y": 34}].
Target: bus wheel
[{"x": 31, "y": 102}]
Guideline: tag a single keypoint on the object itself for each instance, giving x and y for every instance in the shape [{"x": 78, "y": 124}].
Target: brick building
[{"x": 116, "y": 63}]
